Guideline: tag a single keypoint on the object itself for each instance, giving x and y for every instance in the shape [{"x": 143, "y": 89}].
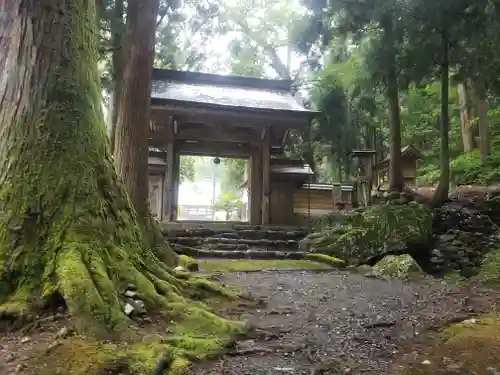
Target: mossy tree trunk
[{"x": 67, "y": 226}]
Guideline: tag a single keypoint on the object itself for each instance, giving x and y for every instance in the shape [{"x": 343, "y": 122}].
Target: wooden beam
[
  {"x": 221, "y": 149},
  {"x": 217, "y": 133},
  {"x": 266, "y": 170}
]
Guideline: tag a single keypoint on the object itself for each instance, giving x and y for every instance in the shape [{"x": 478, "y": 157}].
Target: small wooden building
[
  {"x": 295, "y": 197},
  {"x": 409, "y": 160}
]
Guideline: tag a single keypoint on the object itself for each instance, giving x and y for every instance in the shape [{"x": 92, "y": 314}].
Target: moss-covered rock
[
  {"x": 188, "y": 263},
  {"x": 397, "y": 266},
  {"x": 363, "y": 269},
  {"x": 377, "y": 229}
]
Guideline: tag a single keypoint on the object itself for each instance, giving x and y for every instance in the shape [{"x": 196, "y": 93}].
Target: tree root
[{"x": 96, "y": 285}]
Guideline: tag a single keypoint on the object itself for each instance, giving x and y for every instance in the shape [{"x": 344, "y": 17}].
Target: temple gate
[{"x": 223, "y": 116}]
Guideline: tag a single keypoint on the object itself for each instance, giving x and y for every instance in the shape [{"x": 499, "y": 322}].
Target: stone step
[
  {"x": 239, "y": 254},
  {"x": 251, "y": 234},
  {"x": 233, "y": 243}
]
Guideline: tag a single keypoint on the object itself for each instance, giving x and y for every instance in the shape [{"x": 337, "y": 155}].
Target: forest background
[{"x": 427, "y": 71}]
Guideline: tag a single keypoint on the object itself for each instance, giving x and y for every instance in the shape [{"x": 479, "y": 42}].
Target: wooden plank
[{"x": 266, "y": 171}]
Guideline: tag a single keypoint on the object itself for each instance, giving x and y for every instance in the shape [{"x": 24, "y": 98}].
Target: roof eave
[{"x": 305, "y": 114}]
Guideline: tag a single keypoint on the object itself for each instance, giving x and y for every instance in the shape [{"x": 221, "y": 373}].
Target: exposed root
[{"x": 97, "y": 285}]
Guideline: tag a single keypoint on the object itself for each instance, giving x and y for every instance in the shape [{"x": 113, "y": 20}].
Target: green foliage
[
  {"x": 228, "y": 202},
  {"x": 187, "y": 171},
  {"x": 233, "y": 175},
  {"x": 490, "y": 270}
]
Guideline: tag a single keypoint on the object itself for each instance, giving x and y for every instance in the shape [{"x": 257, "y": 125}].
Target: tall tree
[
  {"x": 465, "y": 117},
  {"x": 117, "y": 33},
  {"x": 134, "y": 110},
  {"x": 68, "y": 230},
  {"x": 391, "y": 81},
  {"x": 442, "y": 191},
  {"x": 380, "y": 23}
]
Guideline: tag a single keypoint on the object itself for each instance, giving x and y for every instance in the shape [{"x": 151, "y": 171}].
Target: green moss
[
  {"x": 472, "y": 347},
  {"x": 188, "y": 263},
  {"x": 80, "y": 356},
  {"x": 323, "y": 258},
  {"x": 383, "y": 226},
  {"x": 77, "y": 356},
  {"x": 235, "y": 265}
]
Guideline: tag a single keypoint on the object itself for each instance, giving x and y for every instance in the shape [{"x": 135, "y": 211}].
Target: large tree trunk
[
  {"x": 396, "y": 182},
  {"x": 465, "y": 118},
  {"x": 442, "y": 191},
  {"x": 68, "y": 229}
]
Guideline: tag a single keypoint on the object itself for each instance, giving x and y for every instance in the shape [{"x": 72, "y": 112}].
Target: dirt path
[{"x": 339, "y": 321}]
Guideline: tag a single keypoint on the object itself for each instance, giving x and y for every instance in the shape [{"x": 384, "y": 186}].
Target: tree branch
[
  {"x": 162, "y": 14},
  {"x": 276, "y": 62}
]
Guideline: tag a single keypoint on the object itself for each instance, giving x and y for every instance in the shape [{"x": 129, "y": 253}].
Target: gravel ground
[{"x": 342, "y": 322}]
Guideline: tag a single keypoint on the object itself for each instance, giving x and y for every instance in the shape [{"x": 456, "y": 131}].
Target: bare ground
[
  {"x": 312, "y": 322},
  {"x": 338, "y": 322}
]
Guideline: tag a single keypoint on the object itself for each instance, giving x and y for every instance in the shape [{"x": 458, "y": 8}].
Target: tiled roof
[{"x": 227, "y": 91}]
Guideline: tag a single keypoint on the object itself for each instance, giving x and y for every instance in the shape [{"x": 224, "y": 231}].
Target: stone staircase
[{"x": 235, "y": 241}]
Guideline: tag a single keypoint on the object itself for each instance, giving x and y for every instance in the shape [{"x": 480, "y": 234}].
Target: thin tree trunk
[
  {"x": 68, "y": 229},
  {"x": 483, "y": 125},
  {"x": 117, "y": 30},
  {"x": 396, "y": 182},
  {"x": 134, "y": 110},
  {"x": 442, "y": 191},
  {"x": 465, "y": 118},
  {"x": 339, "y": 166}
]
